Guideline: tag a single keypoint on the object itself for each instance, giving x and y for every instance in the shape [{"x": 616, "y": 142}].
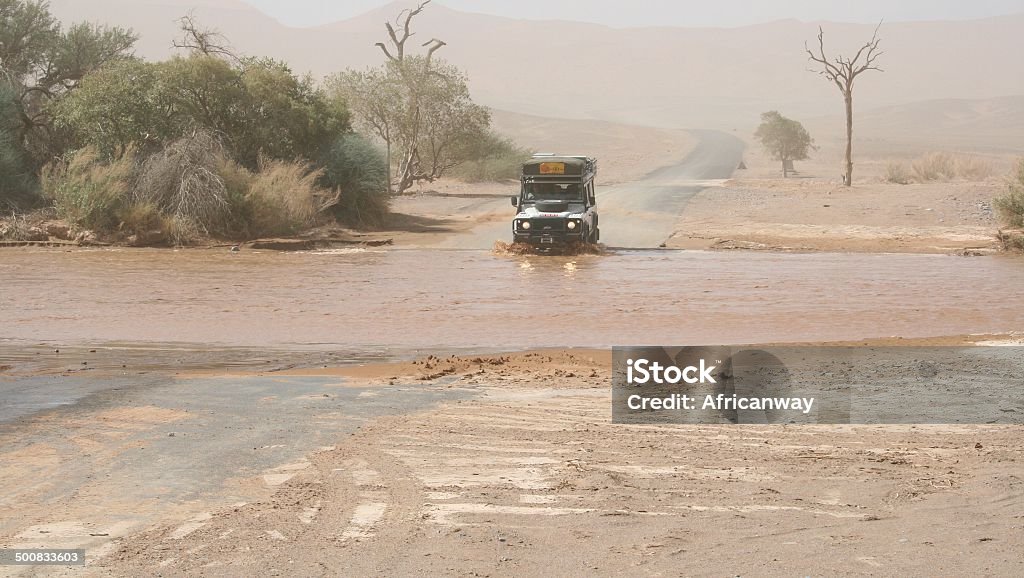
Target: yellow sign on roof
[{"x": 552, "y": 168}]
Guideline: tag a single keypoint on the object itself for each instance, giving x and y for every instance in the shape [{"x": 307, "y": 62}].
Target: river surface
[{"x": 417, "y": 300}]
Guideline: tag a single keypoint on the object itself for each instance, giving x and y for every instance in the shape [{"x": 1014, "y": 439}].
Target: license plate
[{"x": 547, "y": 240}]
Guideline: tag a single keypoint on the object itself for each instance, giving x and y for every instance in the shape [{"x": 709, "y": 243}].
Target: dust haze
[{"x": 417, "y": 397}]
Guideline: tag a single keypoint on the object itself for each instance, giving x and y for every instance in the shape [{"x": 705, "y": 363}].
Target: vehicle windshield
[{"x": 553, "y": 192}]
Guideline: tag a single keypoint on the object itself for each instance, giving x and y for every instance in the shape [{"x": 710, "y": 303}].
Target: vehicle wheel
[{"x": 595, "y": 236}]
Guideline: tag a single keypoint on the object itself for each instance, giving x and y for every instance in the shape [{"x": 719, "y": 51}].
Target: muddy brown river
[{"x": 409, "y": 300}]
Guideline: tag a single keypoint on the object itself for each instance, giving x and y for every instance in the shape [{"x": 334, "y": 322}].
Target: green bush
[
  {"x": 258, "y": 107},
  {"x": 1011, "y": 205},
  {"x": 358, "y": 171},
  {"x": 492, "y": 158},
  {"x": 88, "y": 192}
]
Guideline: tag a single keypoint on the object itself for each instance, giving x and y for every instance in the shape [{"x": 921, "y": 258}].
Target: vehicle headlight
[
  {"x": 525, "y": 225},
  {"x": 571, "y": 225}
]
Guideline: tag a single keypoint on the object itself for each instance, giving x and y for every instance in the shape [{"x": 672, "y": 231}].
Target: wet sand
[{"x": 488, "y": 484}]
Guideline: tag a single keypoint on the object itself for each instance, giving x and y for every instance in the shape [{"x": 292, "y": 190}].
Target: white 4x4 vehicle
[{"x": 556, "y": 202}]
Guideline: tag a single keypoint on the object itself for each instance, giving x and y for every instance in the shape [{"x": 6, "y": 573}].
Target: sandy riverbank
[{"x": 807, "y": 214}]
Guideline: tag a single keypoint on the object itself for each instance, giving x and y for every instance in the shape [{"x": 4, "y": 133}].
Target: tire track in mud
[{"x": 530, "y": 478}]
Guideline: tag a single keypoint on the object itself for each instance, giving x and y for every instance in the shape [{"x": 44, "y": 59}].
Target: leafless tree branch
[
  {"x": 435, "y": 45},
  {"x": 202, "y": 40},
  {"x": 842, "y": 72},
  {"x": 404, "y": 20}
]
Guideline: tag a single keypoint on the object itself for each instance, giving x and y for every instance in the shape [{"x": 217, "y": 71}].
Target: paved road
[{"x": 642, "y": 214}]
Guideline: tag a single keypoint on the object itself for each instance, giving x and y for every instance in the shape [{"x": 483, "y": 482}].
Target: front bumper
[{"x": 547, "y": 238}]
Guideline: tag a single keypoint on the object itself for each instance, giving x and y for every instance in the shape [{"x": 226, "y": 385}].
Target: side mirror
[{"x": 515, "y": 201}]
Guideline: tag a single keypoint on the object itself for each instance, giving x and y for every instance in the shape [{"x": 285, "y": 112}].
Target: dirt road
[
  {"x": 518, "y": 457},
  {"x": 640, "y": 214}
]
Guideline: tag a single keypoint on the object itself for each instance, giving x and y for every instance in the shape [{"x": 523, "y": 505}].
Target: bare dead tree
[
  {"x": 404, "y": 20},
  {"x": 842, "y": 72},
  {"x": 399, "y": 32},
  {"x": 202, "y": 40},
  {"x": 434, "y": 45}
]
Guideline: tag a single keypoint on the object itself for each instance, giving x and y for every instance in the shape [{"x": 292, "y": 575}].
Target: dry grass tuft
[
  {"x": 284, "y": 197},
  {"x": 943, "y": 166},
  {"x": 934, "y": 166}
]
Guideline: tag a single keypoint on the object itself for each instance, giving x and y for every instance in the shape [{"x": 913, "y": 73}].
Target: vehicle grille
[{"x": 540, "y": 225}]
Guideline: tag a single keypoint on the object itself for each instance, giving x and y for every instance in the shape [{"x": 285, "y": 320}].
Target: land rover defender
[{"x": 556, "y": 202}]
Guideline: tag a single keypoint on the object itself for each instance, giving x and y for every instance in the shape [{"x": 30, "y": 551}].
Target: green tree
[
  {"x": 784, "y": 139},
  {"x": 440, "y": 119},
  {"x": 491, "y": 157},
  {"x": 375, "y": 99},
  {"x": 422, "y": 111},
  {"x": 286, "y": 116},
  {"x": 258, "y": 108},
  {"x": 118, "y": 106},
  {"x": 420, "y": 107},
  {"x": 44, "y": 63}
]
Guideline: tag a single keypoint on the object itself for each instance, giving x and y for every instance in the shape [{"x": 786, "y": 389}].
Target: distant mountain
[
  {"x": 993, "y": 125},
  {"x": 675, "y": 77}
]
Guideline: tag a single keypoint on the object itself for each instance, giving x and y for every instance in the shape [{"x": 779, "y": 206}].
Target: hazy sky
[{"x": 664, "y": 12}]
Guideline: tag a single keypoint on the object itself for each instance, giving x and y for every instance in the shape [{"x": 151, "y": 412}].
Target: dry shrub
[
  {"x": 89, "y": 192},
  {"x": 284, "y": 197},
  {"x": 1011, "y": 240},
  {"x": 16, "y": 228},
  {"x": 182, "y": 231},
  {"x": 896, "y": 173},
  {"x": 1011, "y": 205},
  {"x": 943, "y": 166},
  {"x": 140, "y": 218},
  {"x": 183, "y": 183},
  {"x": 143, "y": 224},
  {"x": 973, "y": 168},
  {"x": 934, "y": 166}
]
